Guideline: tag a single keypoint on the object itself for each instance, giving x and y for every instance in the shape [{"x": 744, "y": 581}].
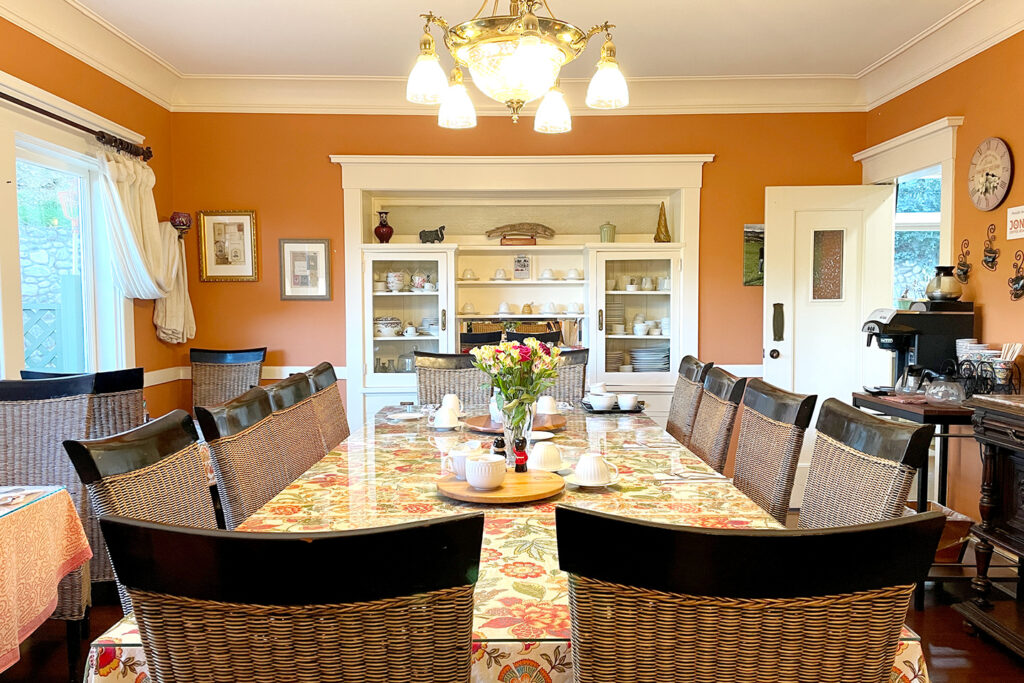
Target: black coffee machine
[{"x": 924, "y": 335}]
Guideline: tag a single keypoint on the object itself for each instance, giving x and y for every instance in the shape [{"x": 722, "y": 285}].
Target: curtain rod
[{"x": 102, "y": 137}]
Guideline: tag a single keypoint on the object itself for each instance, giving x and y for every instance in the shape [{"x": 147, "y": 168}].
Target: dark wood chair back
[
  {"x": 771, "y": 435},
  {"x": 738, "y": 601}
]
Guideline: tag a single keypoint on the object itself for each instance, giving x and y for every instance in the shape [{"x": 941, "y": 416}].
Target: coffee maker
[{"x": 923, "y": 335}]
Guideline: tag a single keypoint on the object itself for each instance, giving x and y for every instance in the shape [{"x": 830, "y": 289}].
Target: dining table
[
  {"x": 386, "y": 473},
  {"x": 41, "y": 541}
]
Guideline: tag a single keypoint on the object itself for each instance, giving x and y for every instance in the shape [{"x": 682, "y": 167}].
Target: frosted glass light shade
[
  {"x": 553, "y": 114},
  {"x": 427, "y": 81},
  {"x": 457, "y": 109},
  {"x": 607, "y": 89},
  {"x": 513, "y": 70}
]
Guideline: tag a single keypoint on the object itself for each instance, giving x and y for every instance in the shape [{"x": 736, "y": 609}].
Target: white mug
[
  {"x": 500, "y": 274},
  {"x": 547, "y": 405},
  {"x": 544, "y": 456},
  {"x": 599, "y": 388},
  {"x": 455, "y": 462},
  {"x": 468, "y": 274},
  {"x": 627, "y": 401},
  {"x": 504, "y": 307},
  {"x": 573, "y": 274},
  {"x": 593, "y": 470},
  {"x": 452, "y": 401},
  {"x": 485, "y": 471},
  {"x": 547, "y": 274},
  {"x": 443, "y": 418}
]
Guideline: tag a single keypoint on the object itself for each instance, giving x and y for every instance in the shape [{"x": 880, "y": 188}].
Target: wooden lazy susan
[
  {"x": 518, "y": 487},
  {"x": 541, "y": 423}
]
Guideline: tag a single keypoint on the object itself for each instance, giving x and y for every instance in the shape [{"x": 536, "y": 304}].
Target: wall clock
[{"x": 988, "y": 179}]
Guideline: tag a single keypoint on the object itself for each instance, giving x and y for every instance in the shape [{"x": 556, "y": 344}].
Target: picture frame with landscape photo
[
  {"x": 305, "y": 269},
  {"x": 228, "y": 250},
  {"x": 753, "y": 255}
]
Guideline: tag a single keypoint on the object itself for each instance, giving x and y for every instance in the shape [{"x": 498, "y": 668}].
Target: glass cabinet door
[
  {"x": 407, "y": 304},
  {"x": 637, "y": 316}
]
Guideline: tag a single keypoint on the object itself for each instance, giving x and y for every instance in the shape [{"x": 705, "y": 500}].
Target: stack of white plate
[
  {"x": 614, "y": 313},
  {"x": 653, "y": 359},
  {"x": 612, "y": 360}
]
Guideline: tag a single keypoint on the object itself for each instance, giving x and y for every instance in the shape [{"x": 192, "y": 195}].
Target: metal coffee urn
[{"x": 924, "y": 335}]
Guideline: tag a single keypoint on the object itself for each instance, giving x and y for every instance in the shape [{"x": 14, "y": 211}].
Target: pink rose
[{"x": 524, "y": 354}]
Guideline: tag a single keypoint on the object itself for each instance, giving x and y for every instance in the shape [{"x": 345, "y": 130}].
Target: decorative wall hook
[
  {"x": 1017, "y": 281},
  {"x": 182, "y": 221},
  {"x": 991, "y": 258},
  {"x": 963, "y": 268}
]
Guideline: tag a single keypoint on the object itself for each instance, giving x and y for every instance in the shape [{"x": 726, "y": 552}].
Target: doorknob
[{"x": 773, "y": 354}]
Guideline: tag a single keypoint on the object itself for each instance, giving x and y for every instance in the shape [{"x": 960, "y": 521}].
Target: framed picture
[
  {"x": 227, "y": 246},
  {"x": 521, "y": 267},
  {"x": 305, "y": 269},
  {"x": 753, "y": 255}
]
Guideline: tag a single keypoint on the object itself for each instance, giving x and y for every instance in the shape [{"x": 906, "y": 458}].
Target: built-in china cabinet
[{"x": 631, "y": 301}]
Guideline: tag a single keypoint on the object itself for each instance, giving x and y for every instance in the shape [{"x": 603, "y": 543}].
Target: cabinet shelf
[
  {"x": 403, "y": 338},
  {"x": 405, "y": 293},
  {"x": 494, "y": 283},
  {"x": 637, "y": 336},
  {"x": 652, "y": 292},
  {"x": 515, "y": 316}
]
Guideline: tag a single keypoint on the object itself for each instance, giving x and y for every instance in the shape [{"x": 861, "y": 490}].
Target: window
[
  {"x": 72, "y": 317},
  {"x": 917, "y": 236}
]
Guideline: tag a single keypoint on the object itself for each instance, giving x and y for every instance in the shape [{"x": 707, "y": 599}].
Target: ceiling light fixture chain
[{"x": 514, "y": 59}]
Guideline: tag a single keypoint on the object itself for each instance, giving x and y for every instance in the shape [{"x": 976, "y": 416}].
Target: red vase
[{"x": 383, "y": 231}]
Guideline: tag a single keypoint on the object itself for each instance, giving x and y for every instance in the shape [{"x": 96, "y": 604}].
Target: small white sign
[{"x": 1015, "y": 223}]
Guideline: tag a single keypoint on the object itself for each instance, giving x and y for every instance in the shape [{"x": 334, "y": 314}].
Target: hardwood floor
[{"x": 952, "y": 655}]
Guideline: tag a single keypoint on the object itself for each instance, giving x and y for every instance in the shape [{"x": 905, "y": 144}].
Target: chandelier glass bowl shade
[{"x": 514, "y": 59}]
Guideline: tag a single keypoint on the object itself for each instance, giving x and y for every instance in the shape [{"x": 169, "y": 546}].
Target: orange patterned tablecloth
[{"x": 41, "y": 541}]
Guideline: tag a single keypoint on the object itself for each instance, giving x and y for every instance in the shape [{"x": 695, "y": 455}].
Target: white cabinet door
[
  {"x": 636, "y": 293},
  {"x": 389, "y": 307}
]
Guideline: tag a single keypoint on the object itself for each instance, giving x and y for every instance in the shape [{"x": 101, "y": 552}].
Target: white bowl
[
  {"x": 485, "y": 471},
  {"x": 603, "y": 401}
]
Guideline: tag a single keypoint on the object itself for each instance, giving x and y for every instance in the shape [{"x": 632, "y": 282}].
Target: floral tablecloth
[
  {"x": 385, "y": 474},
  {"x": 41, "y": 541}
]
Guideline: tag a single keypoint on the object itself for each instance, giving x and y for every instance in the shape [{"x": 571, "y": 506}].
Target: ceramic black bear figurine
[{"x": 428, "y": 236}]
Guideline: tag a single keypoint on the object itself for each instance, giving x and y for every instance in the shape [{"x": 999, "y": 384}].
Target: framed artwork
[
  {"x": 753, "y": 254},
  {"x": 227, "y": 246},
  {"x": 305, "y": 269}
]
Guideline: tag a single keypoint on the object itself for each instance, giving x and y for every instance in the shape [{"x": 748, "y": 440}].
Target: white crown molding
[
  {"x": 968, "y": 30},
  {"x": 58, "y": 105},
  {"x": 925, "y": 131}
]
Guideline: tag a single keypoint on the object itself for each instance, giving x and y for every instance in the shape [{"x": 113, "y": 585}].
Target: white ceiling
[{"x": 656, "y": 38}]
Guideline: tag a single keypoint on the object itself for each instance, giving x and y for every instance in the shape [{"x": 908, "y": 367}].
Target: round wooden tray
[
  {"x": 518, "y": 487},
  {"x": 541, "y": 423}
]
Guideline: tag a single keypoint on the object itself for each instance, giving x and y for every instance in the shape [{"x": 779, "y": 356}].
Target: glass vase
[{"x": 518, "y": 423}]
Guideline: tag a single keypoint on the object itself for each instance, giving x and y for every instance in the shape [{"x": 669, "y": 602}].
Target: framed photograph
[
  {"x": 227, "y": 246},
  {"x": 753, "y": 255},
  {"x": 305, "y": 269}
]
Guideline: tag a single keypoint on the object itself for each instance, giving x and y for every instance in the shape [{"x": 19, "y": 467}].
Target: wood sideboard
[{"x": 999, "y": 428}]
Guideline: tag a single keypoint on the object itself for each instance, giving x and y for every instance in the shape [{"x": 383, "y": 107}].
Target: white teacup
[
  {"x": 452, "y": 401},
  {"x": 545, "y": 456},
  {"x": 547, "y": 274},
  {"x": 547, "y": 405},
  {"x": 599, "y": 388},
  {"x": 468, "y": 274},
  {"x": 573, "y": 274},
  {"x": 485, "y": 471},
  {"x": 640, "y": 329},
  {"x": 443, "y": 418},
  {"x": 468, "y": 307},
  {"x": 429, "y": 286},
  {"x": 601, "y": 401},
  {"x": 618, "y": 328},
  {"x": 500, "y": 274},
  {"x": 575, "y": 307},
  {"x": 455, "y": 462},
  {"x": 504, "y": 307},
  {"x": 593, "y": 470},
  {"x": 548, "y": 308},
  {"x": 627, "y": 401},
  {"x": 380, "y": 286}
]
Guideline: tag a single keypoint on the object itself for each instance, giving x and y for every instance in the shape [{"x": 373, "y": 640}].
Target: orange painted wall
[
  {"x": 34, "y": 60},
  {"x": 984, "y": 91},
  {"x": 278, "y": 165}
]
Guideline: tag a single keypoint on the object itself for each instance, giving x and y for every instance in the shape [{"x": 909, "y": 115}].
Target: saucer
[
  {"x": 499, "y": 279},
  {"x": 562, "y": 467},
  {"x": 541, "y": 436},
  {"x": 405, "y": 416},
  {"x": 548, "y": 279},
  {"x": 571, "y": 479},
  {"x": 574, "y": 279},
  {"x": 444, "y": 429},
  {"x": 470, "y": 279}
]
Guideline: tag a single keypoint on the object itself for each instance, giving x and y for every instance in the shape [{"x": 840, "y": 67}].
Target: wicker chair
[
  {"x": 220, "y": 375},
  {"x": 225, "y": 599},
  {"x": 862, "y": 467},
  {"x": 117, "y": 406},
  {"x": 771, "y": 435},
  {"x": 686, "y": 398},
  {"x": 716, "y": 415},
  {"x": 438, "y": 374},
  {"x": 691, "y": 605},
  {"x": 295, "y": 424},
  {"x": 471, "y": 340},
  {"x": 572, "y": 377},
  {"x": 330, "y": 411},
  {"x": 154, "y": 472},
  {"x": 546, "y": 337},
  {"x": 248, "y": 461}
]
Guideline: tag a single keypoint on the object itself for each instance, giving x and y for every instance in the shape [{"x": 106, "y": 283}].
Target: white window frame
[{"x": 32, "y": 137}]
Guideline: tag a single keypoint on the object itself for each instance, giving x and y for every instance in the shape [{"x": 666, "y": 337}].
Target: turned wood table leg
[
  {"x": 980, "y": 584},
  {"x": 987, "y": 506}
]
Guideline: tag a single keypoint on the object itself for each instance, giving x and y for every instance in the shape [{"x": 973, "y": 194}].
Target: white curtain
[{"x": 148, "y": 257}]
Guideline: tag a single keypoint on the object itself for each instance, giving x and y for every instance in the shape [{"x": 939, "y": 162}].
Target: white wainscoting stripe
[{"x": 165, "y": 375}]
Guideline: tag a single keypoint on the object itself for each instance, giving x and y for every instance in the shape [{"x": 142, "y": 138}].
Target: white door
[{"x": 828, "y": 264}]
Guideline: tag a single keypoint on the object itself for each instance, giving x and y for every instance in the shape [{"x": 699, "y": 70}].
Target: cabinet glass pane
[
  {"x": 827, "y": 268},
  {"x": 405, "y": 296},
  {"x": 637, "y": 307}
]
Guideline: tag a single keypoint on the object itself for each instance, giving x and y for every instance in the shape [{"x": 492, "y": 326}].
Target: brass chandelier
[{"x": 514, "y": 58}]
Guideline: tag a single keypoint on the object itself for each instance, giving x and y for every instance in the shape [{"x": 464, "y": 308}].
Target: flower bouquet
[{"x": 520, "y": 372}]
